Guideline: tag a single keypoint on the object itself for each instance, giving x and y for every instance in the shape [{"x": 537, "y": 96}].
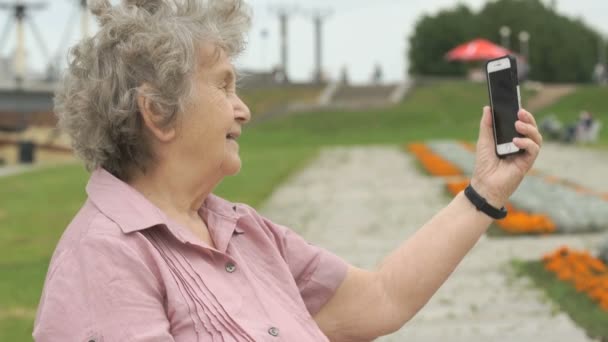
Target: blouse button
[
  {"x": 273, "y": 331},
  {"x": 230, "y": 267}
]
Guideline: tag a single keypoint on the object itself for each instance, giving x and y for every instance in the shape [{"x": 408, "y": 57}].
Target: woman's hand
[{"x": 495, "y": 178}]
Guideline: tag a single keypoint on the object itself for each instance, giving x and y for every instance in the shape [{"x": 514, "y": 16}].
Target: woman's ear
[{"x": 151, "y": 118}]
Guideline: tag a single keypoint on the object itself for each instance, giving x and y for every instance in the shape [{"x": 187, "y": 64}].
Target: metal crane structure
[
  {"x": 23, "y": 101},
  {"x": 20, "y": 16},
  {"x": 284, "y": 13},
  {"x": 318, "y": 16}
]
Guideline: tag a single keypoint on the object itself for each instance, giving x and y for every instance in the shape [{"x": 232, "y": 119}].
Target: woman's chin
[{"x": 232, "y": 166}]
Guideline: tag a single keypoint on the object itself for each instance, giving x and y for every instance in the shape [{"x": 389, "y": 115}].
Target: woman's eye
[{"x": 229, "y": 88}]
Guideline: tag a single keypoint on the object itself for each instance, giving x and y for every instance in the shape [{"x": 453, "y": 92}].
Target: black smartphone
[{"x": 505, "y": 101}]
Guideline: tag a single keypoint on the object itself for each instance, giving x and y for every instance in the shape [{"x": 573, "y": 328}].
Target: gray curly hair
[{"x": 155, "y": 42}]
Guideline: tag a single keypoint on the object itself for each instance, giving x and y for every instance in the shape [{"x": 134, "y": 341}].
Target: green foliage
[
  {"x": 561, "y": 49},
  {"x": 434, "y": 36},
  {"x": 578, "y": 306}
]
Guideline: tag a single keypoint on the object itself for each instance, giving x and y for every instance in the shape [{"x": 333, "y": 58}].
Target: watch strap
[{"x": 482, "y": 205}]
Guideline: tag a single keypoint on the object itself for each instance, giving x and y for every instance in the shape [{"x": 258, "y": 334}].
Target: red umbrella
[{"x": 476, "y": 50}]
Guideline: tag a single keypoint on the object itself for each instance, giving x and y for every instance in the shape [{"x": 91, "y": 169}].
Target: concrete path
[
  {"x": 362, "y": 202},
  {"x": 13, "y": 169},
  {"x": 585, "y": 166},
  {"x": 548, "y": 95}
]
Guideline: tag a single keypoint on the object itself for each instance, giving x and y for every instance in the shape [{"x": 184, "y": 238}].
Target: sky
[{"x": 358, "y": 34}]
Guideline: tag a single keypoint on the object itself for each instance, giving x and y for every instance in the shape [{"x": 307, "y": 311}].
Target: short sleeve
[
  {"x": 318, "y": 272},
  {"x": 101, "y": 290}
]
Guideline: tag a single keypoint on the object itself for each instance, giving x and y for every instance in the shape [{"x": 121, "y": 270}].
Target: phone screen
[{"x": 505, "y": 105}]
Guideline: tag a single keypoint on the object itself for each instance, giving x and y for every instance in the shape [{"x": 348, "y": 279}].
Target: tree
[
  {"x": 433, "y": 36},
  {"x": 561, "y": 49}
]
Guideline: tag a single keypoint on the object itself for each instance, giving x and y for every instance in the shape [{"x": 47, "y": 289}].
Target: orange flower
[
  {"x": 563, "y": 251},
  {"x": 457, "y": 186},
  {"x": 522, "y": 222},
  {"x": 565, "y": 274},
  {"x": 593, "y": 283},
  {"x": 433, "y": 163},
  {"x": 418, "y": 149},
  {"x": 587, "y": 273},
  {"x": 582, "y": 284},
  {"x": 596, "y": 294},
  {"x": 555, "y": 265},
  {"x": 580, "y": 268},
  {"x": 468, "y": 146},
  {"x": 551, "y": 179},
  {"x": 597, "y": 265}
]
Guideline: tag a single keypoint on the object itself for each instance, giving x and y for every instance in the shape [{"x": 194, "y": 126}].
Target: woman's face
[{"x": 209, "y": 128}]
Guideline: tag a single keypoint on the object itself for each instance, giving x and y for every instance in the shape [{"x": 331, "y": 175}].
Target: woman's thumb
[{"x": 486, "y": 134}]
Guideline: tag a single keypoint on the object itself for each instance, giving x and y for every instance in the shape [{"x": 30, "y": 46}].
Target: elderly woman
[{"x": 151, "y": 107}]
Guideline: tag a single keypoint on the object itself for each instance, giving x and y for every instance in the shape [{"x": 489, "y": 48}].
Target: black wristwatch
[{"x": 482, "y": 205}]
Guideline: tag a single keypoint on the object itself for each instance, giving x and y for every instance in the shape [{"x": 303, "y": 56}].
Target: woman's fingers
[
  {"x": 527, "y": 144},
  {"x": 527, "y": 117},
  {"x": 529, "y": 131}
]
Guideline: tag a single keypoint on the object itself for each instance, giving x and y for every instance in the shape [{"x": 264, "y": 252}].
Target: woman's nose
[{"x": 241, "y": 111}]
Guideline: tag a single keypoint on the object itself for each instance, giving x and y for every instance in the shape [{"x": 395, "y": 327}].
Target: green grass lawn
[
  {"x": 263, "y": 100},
  {"x": 578, "y": 306},
  {"x": 448, "y": 110},
  {"x": 35, "y": 207}
]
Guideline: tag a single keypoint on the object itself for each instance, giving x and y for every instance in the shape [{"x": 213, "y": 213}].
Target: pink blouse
[{"x": 124, "y": 271}]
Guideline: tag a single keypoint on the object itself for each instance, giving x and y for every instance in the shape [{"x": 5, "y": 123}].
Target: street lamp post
[
  {"x": 505, "y": 34},
  {"x": 84, "y": 19},
  {"x": 264, "y": 36},
  {"x": 601, "y": 50},
  {"x": 601, "y": 69},
  {"x": 524, "y": 44}
]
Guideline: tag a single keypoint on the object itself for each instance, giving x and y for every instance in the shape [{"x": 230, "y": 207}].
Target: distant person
[
  {"x": 583, "y": 130},
  {"x": 377, "y": 74},
  {"x": 278, "y": 75},
  {"x": 344, "y": 79},
  {"x": 588, "y": 127},
  {"x": 551, "y": 127},
  {"x": 151, "y": 106},
  {"x": 585, "y": 120},
  {"x": 523, "y": 69},
  {"x": 600, "y": 73}
]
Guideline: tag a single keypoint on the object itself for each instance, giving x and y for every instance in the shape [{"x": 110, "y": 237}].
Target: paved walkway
[
  {"x": 587, "y": 167},
  {"x": 362, "y": 202},
  {"x": 548, "y": 95},
  {"x": 13, "y": 169}
]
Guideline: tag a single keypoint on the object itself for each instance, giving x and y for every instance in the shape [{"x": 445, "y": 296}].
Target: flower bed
[
  {"x": 541, "y": 204},
  {"x": 604, "y": 250},
  {"x": 517, "y": 221},
  {"x": 432, "y": 162},
  {"x": 586, "y": 273}
]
